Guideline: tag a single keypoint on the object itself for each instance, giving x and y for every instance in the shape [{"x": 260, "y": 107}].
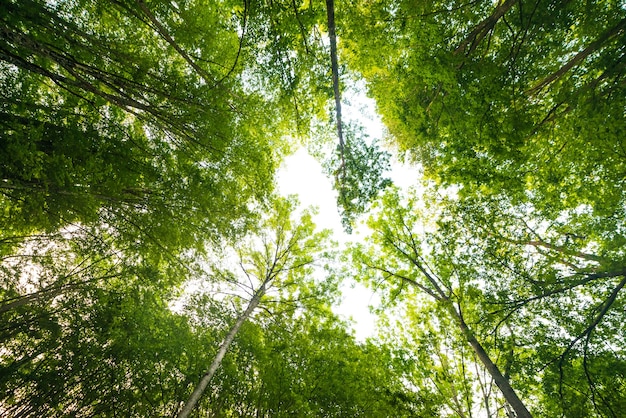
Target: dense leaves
[
  {"x": 107, "y": 119},
  {"x": 142, "y": 249},
  {"x": 515, "y": 111},
  {"x": 306, "y": 365},
  {"x": 515, "y": 98},
  {"x": 359, "y": 170},
  {"x": 117, "y": 350}
]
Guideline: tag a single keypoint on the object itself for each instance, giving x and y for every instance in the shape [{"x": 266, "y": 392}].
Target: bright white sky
[{"x": 302, "y": 175}]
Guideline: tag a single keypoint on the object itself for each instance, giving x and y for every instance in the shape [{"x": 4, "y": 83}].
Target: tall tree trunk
[
  {"x": 330, "y": 12},
  {"x": 502, "y": 382},
  {"x": 442, "y": 297},
  {"x": 206, "y": 378}
]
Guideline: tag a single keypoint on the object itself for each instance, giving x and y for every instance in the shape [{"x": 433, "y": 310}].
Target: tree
[
  {"x": 534, "y": 302},
  {"x": 506, "y": 98},
  {"x": 136, "y": 136},
  {"x": 514, "y": 111},
  {"x": 357, "y": 166},
  {"x": 107, "y": 118},
  {"x": 569, "y": 285},
  {"x": 437, "y": 359},
  {"x": 401, "y": 257},
  {"x": 310, "y": 366},
  {"x": 131, "y": 142},
  {"x": 306, "y": 363},
  {"x": 279, "y": 256}
]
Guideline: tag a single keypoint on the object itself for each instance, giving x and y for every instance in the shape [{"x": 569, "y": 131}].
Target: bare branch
[
  {"x": 606, "y": 305},
  {"x": 413, "y": 282}
]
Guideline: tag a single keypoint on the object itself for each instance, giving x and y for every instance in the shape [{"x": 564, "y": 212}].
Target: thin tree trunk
[
  {"x": 206, "y": 378},
  {"x": 502, "y": 382},
  {"x": 440, "y": 296},
  {"x": 330, "y": 11},
  {"x": 341, "y": 172}
]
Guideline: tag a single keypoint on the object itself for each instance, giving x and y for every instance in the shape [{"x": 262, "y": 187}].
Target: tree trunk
[
  {"x": 330, "y": 12},
  {"x": 439, "y": 295},
  {"x": 206, "y": 378},
  {"x": 502, "y": 382},
  {"x": 48, "y": 293}
]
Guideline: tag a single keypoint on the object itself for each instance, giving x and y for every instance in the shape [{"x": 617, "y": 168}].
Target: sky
[{"x": 302, "y": 175}]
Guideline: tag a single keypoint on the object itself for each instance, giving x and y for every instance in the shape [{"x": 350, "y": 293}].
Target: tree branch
[
  {"x": 605, "y": 308},
  {"x": 406, "y": 279},
  {"x": 471, "y": 41},
  {"x": 165, "y": 35},
  {"x": 591, "y": 48}
]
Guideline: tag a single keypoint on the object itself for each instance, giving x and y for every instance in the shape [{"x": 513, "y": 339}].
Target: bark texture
[{"x": 206, "y": 378}]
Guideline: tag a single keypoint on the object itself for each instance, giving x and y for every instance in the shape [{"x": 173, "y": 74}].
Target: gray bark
[
  {"x": 206, "y": 378},
  {"x": 502, "y": 382}
]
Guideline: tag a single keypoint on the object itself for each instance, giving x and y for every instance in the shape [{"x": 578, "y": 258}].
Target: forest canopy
[{"x": 149, "y": 267}]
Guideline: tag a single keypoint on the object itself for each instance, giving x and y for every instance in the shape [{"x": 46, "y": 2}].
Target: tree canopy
[
  {"x": 514, "y": 111},
  {"x": 148, "y": 266}
]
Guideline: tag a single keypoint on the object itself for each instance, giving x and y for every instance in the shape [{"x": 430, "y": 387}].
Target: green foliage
[
  {"x": 116, "y": 350},
  {"x": 515, "y": 112},
  {"x": 358, "y": 170},
  {"x": 132, "y": 137},
  {"x": 280, "y": 254},
  {"x": 139, "y": 138},
  {"x": 105, "y": 120},
  {"x": 286, "y": 58},
  {"x": 308, "y": 365},
  {"x": 545, "y": 308},
  {"x": 501, "y": 99}
]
